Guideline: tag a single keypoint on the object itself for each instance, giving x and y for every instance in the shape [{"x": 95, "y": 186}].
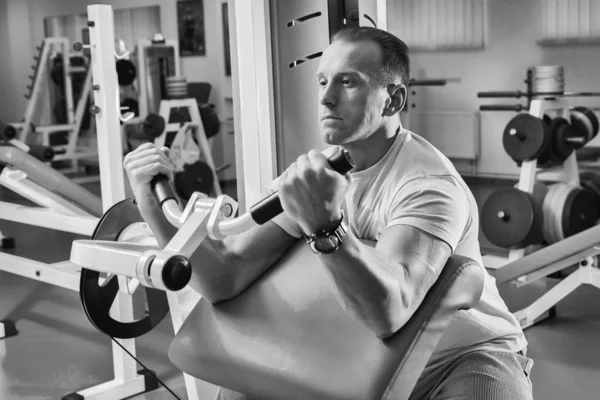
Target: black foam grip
[
  {"x": 270, "y": 206},
  {"x": 7, "y": 132},
  {"x": 161, "y": 187},
  {"x": 502, "y": 107},
  {"x": 42, "y": 153},
  {"x": 515, "y": 94}
]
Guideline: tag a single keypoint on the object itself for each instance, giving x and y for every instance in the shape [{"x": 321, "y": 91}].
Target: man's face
[{"x": 351, "y": 98}]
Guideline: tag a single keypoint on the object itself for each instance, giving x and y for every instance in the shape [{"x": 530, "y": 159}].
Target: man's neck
[{"x": 371, "y": 150}]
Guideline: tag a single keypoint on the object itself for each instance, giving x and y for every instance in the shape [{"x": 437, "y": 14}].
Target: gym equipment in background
[
  {"x": 191, "y": 155},
  {"x": 530, "y": 217},
  {"x": 59, "y": 212},
  {"x": 71, "y": 75}
]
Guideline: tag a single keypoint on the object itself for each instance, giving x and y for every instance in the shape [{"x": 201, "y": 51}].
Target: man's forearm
[{"x": 369, "y": 286}]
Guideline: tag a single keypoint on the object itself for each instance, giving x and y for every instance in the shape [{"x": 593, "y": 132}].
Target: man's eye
[
  {"x": 322, "y": 83},
  {"x": 346, "y": 81}
]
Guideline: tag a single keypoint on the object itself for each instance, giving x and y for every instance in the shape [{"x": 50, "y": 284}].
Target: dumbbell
[
  {"x": 549, "y": 140},
  {"x": 585, "y": 124}
]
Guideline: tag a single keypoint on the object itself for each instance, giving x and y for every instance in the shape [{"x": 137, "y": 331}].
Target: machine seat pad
[{"x": 288, "y": 338}]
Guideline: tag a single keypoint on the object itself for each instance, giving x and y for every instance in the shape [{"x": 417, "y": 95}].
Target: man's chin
[{"x": 332, "y": 137}]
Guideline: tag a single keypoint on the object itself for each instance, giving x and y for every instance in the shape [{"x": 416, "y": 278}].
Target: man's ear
[{"x": 397, "y": 99}]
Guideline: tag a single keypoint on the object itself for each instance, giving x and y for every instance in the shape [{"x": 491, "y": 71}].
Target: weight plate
[
  {"x": 210, "y": 120},
  {"x": 508, "y": 217},
  {"x": 592, "y": 117},
  {"x": 153, "y": 126},
  {"x": 197, "y": 177},
  {"x": 97, "y": 299},
  {"x": 126, "y": 72},
  {"x": 580, "y": 211},
  {"x": 591, "y": 180},
  {"x": 582, "y": 127},
  {"x": 548, "y": 210},
  {"x": 561, "y": 131},
  {"x": 524, "y": 137}
]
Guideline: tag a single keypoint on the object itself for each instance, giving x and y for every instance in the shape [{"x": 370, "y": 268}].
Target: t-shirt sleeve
[
  {"x": 438, "y": 206},
  {"x": 283, "y": 220}
]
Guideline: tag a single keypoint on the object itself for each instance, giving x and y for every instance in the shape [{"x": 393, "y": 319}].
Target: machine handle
[
  {"x": 502, "y": 107},
  {"x": 270, "y": 206},
  {"x": 516, "y": 94},
  {"x": 162, "y": 190}
]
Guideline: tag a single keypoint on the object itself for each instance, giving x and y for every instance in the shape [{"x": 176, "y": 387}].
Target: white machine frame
[
  {"x": 70, "y": 151},
  {"x": 587, "y": 271},
  {"x": 56, "y": 212}
]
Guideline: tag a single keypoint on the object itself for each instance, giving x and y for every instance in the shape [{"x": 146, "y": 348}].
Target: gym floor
[{"x": 57, "y": 351}]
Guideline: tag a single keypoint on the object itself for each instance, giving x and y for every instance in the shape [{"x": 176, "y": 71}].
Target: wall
[
  {"x": 5, "y": 68},
  {"x": 513, "y": 26}
]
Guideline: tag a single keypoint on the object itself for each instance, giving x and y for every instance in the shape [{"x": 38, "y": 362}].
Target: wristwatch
[{"x": 328, "y": 241}]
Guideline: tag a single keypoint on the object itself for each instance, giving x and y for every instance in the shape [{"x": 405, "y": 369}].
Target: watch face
[{"x": 328, "y": 243}]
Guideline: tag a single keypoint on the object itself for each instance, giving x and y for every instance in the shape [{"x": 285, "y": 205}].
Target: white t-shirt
[{"x": 415, "y": 184}]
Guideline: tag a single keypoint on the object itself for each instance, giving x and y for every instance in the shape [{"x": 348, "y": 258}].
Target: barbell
[{"x": 549, "y": 140}]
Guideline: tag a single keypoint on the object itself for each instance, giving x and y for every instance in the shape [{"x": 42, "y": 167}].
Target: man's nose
[{"x": 328, "y": 95}]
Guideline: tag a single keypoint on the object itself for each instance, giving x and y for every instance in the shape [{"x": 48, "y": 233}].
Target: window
[
  {"x": 438, "y": 24},
  {"x": 570, "y": 21}
]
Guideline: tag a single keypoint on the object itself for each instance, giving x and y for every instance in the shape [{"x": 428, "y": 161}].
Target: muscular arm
[
  {"x": 383, "y": 286},
  {"x": 223, "y": 269}
]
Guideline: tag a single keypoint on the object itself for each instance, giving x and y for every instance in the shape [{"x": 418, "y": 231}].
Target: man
[{"x": 403, "y": 193}]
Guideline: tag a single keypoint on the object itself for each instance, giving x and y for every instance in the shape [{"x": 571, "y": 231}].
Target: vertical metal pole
[{"x": 110, "y": 151}]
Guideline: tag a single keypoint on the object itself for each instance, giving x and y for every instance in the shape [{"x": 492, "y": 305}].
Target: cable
[{"x": 147, "y": 370}]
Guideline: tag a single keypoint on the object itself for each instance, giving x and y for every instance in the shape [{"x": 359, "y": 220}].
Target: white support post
[
  {"x": 255, "y": 127},
  {"x": 110, "y": 153}
]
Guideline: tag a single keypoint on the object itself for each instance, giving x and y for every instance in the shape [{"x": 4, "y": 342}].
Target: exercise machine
[
  {"x": 291, "y": 315},
  {"x": 535, "y": 222}
]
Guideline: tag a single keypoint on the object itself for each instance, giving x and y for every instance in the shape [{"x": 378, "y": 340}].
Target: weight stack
[{"x": 177, "y": 87}]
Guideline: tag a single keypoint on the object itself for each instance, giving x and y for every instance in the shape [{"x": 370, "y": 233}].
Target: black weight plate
[
  {"x": 591, "y": 180},
  {"x": 197, "y": 177},
  {"x": 580, "y": 211},
  {"x": 153, "y": 126},
  {"x": 529, "y": 142},
  {"x": 593, "y": 119},
  {"x": 508, "y": 217},
  {"x": 210, "y": 120},
  {"x": 561, "y": 131},
  {"x": 126, "y": 72},
  {"x": 580, "y": 128},
  {"x": 97, "y": 300}
]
